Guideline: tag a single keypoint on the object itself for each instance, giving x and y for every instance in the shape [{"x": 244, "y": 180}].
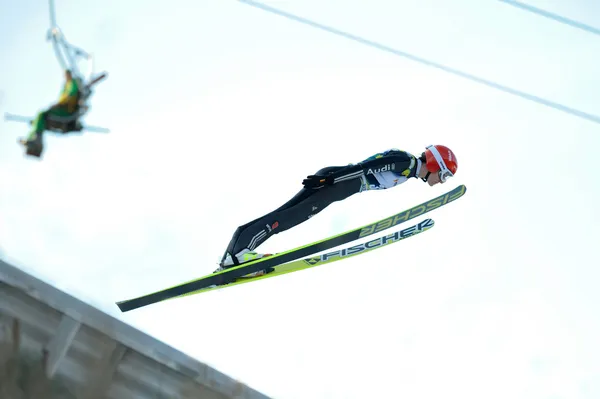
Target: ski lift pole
[
  {"x": 66, "y": 53},
  {"x": 52, "y": 14}
]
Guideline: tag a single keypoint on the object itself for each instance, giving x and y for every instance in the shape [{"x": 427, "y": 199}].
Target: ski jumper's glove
[{"x": 317, "y": 181}]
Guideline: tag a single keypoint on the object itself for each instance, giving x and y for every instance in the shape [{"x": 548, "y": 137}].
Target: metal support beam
[
  {"x": 102, "y": 375},
  {"x": 59, "y": 344}
]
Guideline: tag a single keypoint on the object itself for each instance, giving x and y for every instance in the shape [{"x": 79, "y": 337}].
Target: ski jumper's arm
[{"x": 399, "y": 161}]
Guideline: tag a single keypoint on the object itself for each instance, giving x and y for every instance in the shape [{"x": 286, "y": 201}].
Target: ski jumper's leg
[{"x": 304, "y": 205}]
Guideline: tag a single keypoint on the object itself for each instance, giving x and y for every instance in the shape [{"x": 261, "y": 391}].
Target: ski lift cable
[
  {"x": 552, "y": 16},
  {"x": 530, "y": 97}
]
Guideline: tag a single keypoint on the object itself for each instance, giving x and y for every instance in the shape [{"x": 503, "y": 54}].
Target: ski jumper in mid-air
[
  {"x": 336, "y": 183},
  {"x": 66, "y": 106}
]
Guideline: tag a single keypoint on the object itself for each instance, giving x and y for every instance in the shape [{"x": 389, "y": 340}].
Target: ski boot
[
  {"x": 32, "y": 147},
  {"x": 244, "y": 256}
]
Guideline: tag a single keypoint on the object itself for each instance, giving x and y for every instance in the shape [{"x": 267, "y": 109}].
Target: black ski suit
[{"x": 381, "y": 171}]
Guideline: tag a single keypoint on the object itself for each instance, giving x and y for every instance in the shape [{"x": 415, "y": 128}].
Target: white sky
[{"x": 218, "y": 110}]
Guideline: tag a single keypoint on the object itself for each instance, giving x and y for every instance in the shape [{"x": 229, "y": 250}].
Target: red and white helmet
[{"x": 442, "y": 160}]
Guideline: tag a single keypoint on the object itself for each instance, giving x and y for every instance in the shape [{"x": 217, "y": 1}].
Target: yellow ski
[{"x": 329, "y": 257}]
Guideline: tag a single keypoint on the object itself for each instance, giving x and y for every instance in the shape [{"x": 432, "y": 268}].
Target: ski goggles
[{"x": 444, "y": 173}]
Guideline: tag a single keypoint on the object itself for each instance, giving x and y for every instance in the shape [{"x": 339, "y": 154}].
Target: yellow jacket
[{"x": 69, "y": 95}]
